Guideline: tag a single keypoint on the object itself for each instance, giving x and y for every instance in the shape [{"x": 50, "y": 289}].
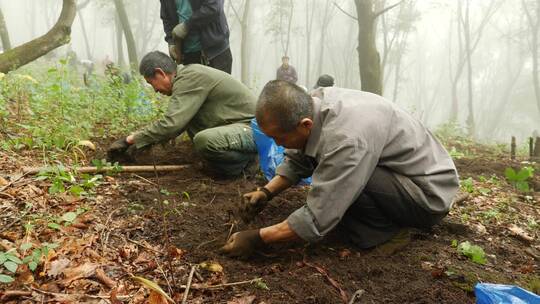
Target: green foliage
[
  {"x": 467, "y": 185},
  {"x": 473, "y": 252},
  {"x": 38, "y": 253},
  {"x": 261, "y": 284},
  {"x": 10, "y": 262},
  {"x": 519, "y": 179},
  {"x": 53, "y": 110},
  {"x": 63, "y": 180}
]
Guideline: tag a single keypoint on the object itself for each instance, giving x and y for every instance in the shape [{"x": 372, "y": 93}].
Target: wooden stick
[
  {"x": 81, "y": 295},
  {"x": 204, "y": 286},
  {"x": 188, "y": 285},
  {"x": 130, "y": 169},
  {"x": 513, "y": 148}
]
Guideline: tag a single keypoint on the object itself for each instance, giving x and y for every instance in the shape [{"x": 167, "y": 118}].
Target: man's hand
[
  {"x": 242, "y": 244},
  {"x": 180, "y": 31},
  {"x": 117, "y": 148},
  {"x": 252, "y": 204}
]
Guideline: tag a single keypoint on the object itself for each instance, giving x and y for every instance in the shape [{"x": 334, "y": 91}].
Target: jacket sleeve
[
  {"x": 188, "y": 97},
  {"x": 294, "y": 75},
  {"x": 207, "y": 13},
  {"x": 338, "y": 180},
  {"x": 168, "y": 22}
]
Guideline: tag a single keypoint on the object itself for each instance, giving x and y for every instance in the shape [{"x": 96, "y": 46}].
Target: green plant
[
  {"x": 474, "y": 252},
  {"x": 63, "y": 180},
  {"x": 468, "y": 185},
  {"x": 10, "y": 262},
  {"x": 519, "y": 179}
]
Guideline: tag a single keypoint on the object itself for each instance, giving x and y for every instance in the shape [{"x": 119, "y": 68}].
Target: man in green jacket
[{"x": 211, "y": 106}]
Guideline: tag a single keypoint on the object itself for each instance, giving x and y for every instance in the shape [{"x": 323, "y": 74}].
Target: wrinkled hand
[
  {"x": 180, "y": 31},
  {"x": 117, "y": 148},
  {"x": 242, "y": 244},
  {"x": 252, "y": 203}
]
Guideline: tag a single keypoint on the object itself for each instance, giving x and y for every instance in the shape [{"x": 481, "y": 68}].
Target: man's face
[
  {"x": 285, "y": 61},
  {"x": 161, "y": 82},
  {"x": 295, "y": 139}
]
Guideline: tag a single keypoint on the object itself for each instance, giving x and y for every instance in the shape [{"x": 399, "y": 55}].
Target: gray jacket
[{"x": 353, "y": 132}]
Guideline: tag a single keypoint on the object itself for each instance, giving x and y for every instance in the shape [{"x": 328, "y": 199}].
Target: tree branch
[
  {"x": 235, "y": 12},
  {"x": 345, "y": 12},
  {"x": 384, "y": 10}
]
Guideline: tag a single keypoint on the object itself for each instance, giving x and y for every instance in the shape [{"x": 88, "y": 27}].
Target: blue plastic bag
[
  {"x": 270, "y": 154},
  {"x": 502, "y": 294}
]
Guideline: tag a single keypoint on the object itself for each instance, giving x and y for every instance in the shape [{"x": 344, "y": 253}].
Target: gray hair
[
  {"x": 284, "y": 103},
  {"x": 154, "y": 60}
]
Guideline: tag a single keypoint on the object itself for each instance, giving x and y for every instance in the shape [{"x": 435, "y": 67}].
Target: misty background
[{"x": 424, "y": 46}]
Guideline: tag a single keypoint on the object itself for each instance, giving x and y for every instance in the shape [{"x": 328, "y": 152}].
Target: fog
[{"x": 422, "y": 45}]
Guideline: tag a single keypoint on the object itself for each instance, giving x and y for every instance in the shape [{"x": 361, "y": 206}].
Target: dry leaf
[
  {"x": 152, "y": 286},
  {"x": 243, "y": 300},
  {"x": 345, "y": 253},
  {"x": 3, "y": 181},
  {"x": 211, "y": 266},
  {"x": 520, "y": 233},
  {"x": 176, "y": 252},
  {"x": 156, "y": 298},
  {"x": 83, "y": 271},
  {"x": 88, "y": 144},
  {"x": 58, "y": 266}
]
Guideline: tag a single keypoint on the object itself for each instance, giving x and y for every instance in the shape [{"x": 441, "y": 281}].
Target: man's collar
[{"x": 313, "y": 140}]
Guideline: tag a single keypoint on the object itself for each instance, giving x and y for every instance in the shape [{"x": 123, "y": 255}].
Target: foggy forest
[{"x": 106, "y": 198}]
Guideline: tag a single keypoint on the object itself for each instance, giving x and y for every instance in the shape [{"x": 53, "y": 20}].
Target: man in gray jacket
[{"x": 376, "y": 170}]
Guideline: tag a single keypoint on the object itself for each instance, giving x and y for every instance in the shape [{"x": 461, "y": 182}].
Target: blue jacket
[{"x": 208, "y": 19}]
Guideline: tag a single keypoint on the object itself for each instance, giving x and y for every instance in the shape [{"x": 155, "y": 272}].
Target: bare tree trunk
[
  {"x": 309, "y": 26},
  {"x": 85, "y": 34},
  {"x": 4, "y": 33},
  {"x": 244, "y": 44},
  {"x": 120, "y": 60},
  {"x": 534, "y": 27},
  {"x": 368, "y": 56},
  {"x": 468, "y": 51},
  {"x": 289, "y": 23},
  {"x": 130, "y": 41},
  {"x": 30, "y": 51},
  {"x": 324, "y": 25}
]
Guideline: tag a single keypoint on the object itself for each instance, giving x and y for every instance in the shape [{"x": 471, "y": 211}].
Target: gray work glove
[
  {"x": 180, "y": 31},
  {"x": 172, "y": 52},
  {"x": 252, "y": 203},
  {"x": 242, "y": 244}
]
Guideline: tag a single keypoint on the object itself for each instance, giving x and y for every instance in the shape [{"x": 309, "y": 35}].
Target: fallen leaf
[
  {"x": 80, "y": 272},
  {"x": 25, "y": 276},
  {"x": 480, "y": 229},
  {"x": 156, "y": 298},
  {"x": 345, "y": 253},
  {"x": 3, "y": 181},
  {"x": 152, "y": 286},
  {"x": 58, "y": 266},
  {"x": 520, "y": 233},
  {"x": 88, "y": 144},
  {"x": 211, "y": 266},
  {"x": 243, "y": 300},
  {"x": 176, "y": 252}
]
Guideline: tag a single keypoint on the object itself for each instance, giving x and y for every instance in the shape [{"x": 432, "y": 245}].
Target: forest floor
[{"x": 87, "y": 247}]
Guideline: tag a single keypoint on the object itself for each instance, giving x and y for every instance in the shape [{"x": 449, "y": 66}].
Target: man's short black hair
[
  {"x": 285, "y": 104},
  {"x": 154, "y": 60}
]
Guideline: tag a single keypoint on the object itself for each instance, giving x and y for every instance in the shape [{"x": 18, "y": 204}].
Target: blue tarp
[
  {"x": 270, "y": 154},
  {"x": 503, "y": 294}
]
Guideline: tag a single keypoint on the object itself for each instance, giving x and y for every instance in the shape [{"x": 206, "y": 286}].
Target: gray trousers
[
  {"x": 228, "y": 149},
  {"x": 383, "y": 208}
]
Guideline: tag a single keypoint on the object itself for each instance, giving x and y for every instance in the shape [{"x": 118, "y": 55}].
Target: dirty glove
[
  {"x": 252, "y": 204},
  {"x": 117, "y": 149},
  {"x": 180, "y": 31},
  {"x": 242, "y": 244},
  {"x": 172, "y": 52}
]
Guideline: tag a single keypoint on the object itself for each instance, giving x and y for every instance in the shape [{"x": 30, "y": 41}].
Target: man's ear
[
  {"x": 160, "y": 72},
  {"x": 307, "y": 123}
]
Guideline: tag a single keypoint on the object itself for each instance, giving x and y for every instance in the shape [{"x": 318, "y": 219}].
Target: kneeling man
[
  {"x": 376, "y": 170},
  {"x": 214, "y": 108}
]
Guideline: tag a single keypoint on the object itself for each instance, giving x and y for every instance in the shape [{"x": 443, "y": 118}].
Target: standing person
[
  {"x": 202, "y": 28},
  {"x": 376, "y": 170},
  {"x": 286, "y": 71},
  {"x": 211, "y": 106}
]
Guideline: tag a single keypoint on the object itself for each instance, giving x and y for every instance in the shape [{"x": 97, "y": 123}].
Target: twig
[
  {"x": 7, "y": 195},
  {"x": 164, "y": 276},
  {"x": 12, "y": 182},
  {"x": 144, "y": 179},
  {"x": 162, "y": 168},
  {"x": 356, "y": 295},
  {"x": 384, "y": 10},
  {"x": 199, "y": 287},
  {"x": 82, "y": 295},
  {"x": 345, "y": 12},
  {"x": 14, "y": 294},
  {"x": 230, "y": 230},
  {"x": 188, "y": 285},
  {"x": 332, "y": 282},
  {"x": 18, "y": 219},
  {"x": 144, "y": 246},
  {"x": 103, "y": 278},
  {"x": 206, "y": 243}
]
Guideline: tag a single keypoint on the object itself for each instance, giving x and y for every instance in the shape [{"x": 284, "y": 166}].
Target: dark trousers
[
  {"x": 383, "y": 208},
  {"x": 222, "y": 62}
]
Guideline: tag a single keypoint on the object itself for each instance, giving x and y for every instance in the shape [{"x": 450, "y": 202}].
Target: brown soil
[{"x": 201, "y": 224}]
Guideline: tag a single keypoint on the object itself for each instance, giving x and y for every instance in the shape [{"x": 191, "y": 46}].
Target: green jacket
[{"x": 202, "y": 98}]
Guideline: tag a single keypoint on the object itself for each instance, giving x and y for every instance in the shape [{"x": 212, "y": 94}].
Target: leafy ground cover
[{"x": 128, "y": 238}]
